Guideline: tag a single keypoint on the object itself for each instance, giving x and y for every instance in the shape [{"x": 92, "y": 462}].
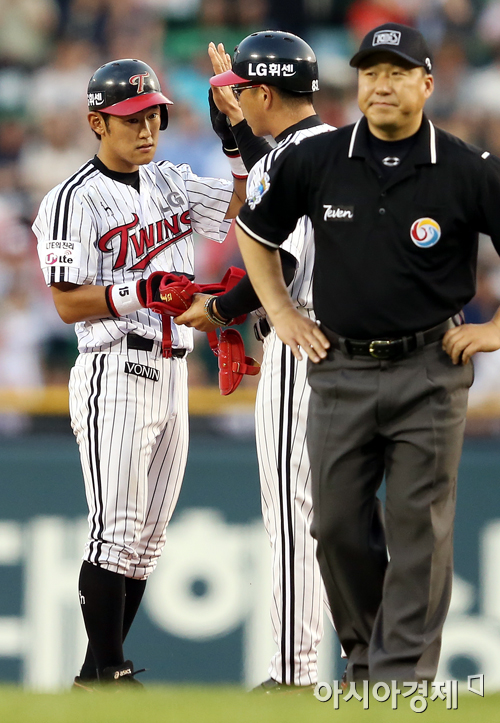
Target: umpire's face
[{"x": 392, "y": 95}]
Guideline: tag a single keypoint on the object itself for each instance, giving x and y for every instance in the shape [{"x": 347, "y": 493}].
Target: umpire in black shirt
[{"x": 396, "y": 206}]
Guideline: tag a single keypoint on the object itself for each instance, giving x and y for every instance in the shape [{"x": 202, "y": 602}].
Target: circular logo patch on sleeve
[
  {"x": 425, "y": 232},
  {"x": 255, "y": 196}
]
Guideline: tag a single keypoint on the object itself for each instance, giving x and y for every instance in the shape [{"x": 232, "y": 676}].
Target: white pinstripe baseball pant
[
  {"x": 129, "y": 412},
  {"x": 298, "y": 593}
]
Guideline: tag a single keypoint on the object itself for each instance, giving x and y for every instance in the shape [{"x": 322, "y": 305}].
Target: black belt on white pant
[
  {"x": 134, "y": 341},
  {"x": 261, "y": 328}
]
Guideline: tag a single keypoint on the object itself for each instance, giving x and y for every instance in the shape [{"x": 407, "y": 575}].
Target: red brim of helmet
[
  {"x": 227, "y": 78},
  {"x": 134, "y": 105}
]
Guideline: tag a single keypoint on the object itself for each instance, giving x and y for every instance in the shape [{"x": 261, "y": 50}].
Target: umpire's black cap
[{"x": 400, "y": 40}]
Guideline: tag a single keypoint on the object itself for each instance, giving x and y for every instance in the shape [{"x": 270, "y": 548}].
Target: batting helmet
[
  {"x": 275, "y": 58},
  {"x": 126, "y": 86}
]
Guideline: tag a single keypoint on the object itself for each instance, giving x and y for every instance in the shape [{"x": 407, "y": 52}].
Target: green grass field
[{"x": 190, "y": 704}]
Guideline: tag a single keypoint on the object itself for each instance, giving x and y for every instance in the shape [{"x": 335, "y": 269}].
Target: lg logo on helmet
[
  {"x": 285, "y": 70},
  {"x": 138, "y": 80}
]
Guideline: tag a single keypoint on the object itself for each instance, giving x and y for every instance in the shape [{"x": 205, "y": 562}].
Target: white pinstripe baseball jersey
[
  {"x": 92, "y": 229},
  {"x": 300, "y": 243},
  {"x": 281, "y": 422}
]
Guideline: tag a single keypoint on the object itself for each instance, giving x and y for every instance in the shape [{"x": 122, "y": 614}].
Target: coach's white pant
[
  {"x": 131, "y": 423},
  {"x": 285, "y": 477}
]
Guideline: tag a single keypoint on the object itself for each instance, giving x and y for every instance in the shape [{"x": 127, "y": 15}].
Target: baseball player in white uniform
[
  {"x": 286, "y": 63},
  {"x": 101, "y": 234}
]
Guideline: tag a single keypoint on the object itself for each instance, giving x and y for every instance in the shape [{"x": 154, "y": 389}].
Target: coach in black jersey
[
  {"x": 396, "y": 205},
  {"x": 281, "y": 106}
]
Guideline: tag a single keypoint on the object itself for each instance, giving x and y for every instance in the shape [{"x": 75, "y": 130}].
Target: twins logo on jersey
[
  {"x": 145, "y": 243},
  {"x": 425, "y": 232}
]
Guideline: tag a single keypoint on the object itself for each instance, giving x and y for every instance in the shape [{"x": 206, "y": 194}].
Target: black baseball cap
[{"x": 400, "y": 40}]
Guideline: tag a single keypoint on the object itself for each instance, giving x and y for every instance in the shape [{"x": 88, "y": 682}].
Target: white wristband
[
  {"x": 237, "y": 167},
  {"x": 124, "y": 298}
]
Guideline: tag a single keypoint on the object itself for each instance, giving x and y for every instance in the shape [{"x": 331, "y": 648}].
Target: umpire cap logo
[{"x": 387, "y": 37}]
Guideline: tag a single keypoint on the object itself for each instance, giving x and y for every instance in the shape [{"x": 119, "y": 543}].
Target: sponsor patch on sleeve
[{"x": 59, "y": 253}]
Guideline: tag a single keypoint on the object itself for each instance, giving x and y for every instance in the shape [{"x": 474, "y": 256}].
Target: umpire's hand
[
  {"x": 462, "y": 342},
  {"x": 300, "y": 332}
]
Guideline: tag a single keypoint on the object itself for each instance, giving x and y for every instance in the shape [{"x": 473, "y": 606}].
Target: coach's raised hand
[{"x": 224, "y": 97}]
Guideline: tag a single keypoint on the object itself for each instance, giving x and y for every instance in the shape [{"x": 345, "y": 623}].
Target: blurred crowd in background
[{"x": 49, "y": 50}]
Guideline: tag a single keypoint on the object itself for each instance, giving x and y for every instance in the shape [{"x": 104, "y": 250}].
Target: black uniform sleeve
[
  {"x": 252, "y": 148},
  {"x": 489, "y": 195},
  {"x": 272, "y": 210},
  {"x": 242, "y": 299}
]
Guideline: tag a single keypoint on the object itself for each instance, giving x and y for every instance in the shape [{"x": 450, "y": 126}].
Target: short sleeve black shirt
[{"x": 396, "y": 253}]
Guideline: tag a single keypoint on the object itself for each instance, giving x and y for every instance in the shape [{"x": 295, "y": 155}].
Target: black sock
[
  {"x": 102, "y": 600},
  {"x": 89, "y": 670},
  {"x": 134, "y": 590}
]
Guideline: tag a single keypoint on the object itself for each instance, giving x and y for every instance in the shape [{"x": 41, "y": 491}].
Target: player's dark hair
[
  {"x": 293, "y": 99},
  {"x": 105, "y": 117}
]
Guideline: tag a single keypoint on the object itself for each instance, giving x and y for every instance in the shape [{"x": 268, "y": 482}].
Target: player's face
[
  {"x": 130, "y": 141},
  {"x": 392, "y": 95}
]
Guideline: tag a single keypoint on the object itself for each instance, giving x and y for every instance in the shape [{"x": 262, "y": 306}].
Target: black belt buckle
[{"x": 383, "y": 349}]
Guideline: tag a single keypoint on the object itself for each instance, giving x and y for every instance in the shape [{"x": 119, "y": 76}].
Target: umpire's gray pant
[{"x": 404, "y": 419}]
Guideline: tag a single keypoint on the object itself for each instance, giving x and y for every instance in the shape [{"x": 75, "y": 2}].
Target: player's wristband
[
  {"x": 231, "y": 152},
  {"x": 237, "y": 167},
  {"x": 123, "y": 299},
  {"x": 210, "y": 314}
]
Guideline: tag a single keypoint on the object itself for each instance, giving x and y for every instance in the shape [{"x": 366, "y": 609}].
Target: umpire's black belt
[
  {"x": 386, "y": 349},
  {"x": 134, "y": 341}
]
